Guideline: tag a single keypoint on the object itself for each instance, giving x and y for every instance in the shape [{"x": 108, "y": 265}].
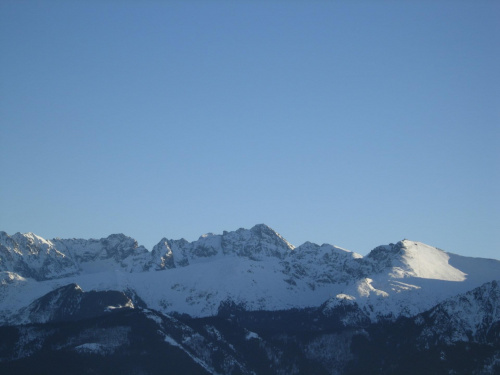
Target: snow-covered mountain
[
  {"x": 468, "y": 317},
  {"x": 256, "y": 268},
  {"x": 460, "y": 335},
  {"x": 245, "y": 302},
  {"x": 80, "y": 335}
]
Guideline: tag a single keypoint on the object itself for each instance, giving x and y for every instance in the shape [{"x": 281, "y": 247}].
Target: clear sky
[{"x": 351, "y": 123}]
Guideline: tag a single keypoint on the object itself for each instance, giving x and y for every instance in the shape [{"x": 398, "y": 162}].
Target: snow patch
[
  {"x": 365, "y": 289},
  {"x": 342, "y": 296},
  {"x": 252, "y": 336}
]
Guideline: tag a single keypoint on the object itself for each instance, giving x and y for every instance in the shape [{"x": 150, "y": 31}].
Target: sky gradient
[{"x": 355, "y": 124}]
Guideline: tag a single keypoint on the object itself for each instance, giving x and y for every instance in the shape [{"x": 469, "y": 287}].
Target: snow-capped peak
[
  {"x": 265, "y": 231},
  {"x": 32, "y": 238},
  {"x": 256, "y": 243},
  {"x": 429, "y": 262},
  {"x": 415, "y": 259}
]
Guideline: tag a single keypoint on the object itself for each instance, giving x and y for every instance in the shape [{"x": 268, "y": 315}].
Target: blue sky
[{"x": 351, "y": 123}]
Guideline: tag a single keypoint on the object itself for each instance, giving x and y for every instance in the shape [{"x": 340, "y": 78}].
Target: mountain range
[{"x": 245, "y": 301}]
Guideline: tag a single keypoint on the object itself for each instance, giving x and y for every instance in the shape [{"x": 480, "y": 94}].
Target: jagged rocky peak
[
  {"x": 162, "y": 255},
  {"x": 116, "y": 246},
  {"x": 268, "y": 234},
  {"x": 31, "y": 244},
  {"x": 256, "y": 243},
  {"x": 30, "y": 238},
  {"x": 119, "y": 238},
  {"x": 121, "y": 246},
  {"x": 6, "y": 242},
  {"x": 32, "y": 256},
  {"x": 264, "y": 230},
  {"x": 308, "y": 246}
]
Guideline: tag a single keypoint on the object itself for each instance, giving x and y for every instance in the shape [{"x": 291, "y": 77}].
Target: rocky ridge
[{"x": 253, "y": 267}]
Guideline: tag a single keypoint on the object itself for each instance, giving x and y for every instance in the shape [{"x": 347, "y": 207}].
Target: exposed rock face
[
  {"x": 470, "y": 317},
  {"x": 71, "y": 303},
  {"x": 31, "y": 256}
]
